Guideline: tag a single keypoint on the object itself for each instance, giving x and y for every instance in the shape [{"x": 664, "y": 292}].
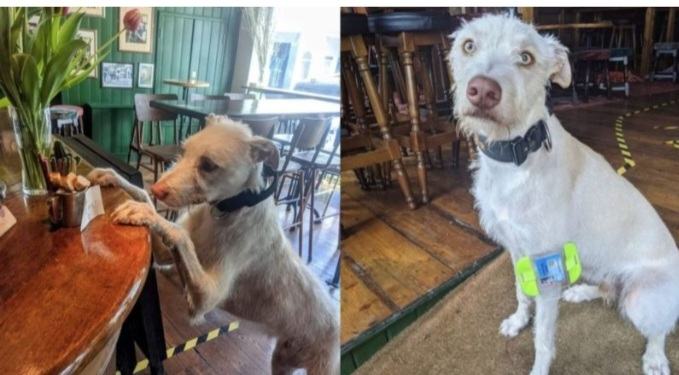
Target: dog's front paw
[
  {"x": 656, "y": 364},
  {"x": 540, "y": 371},
  {"x": 104, "y": 177},
  {"x": 511, "y": 326},
  {"x": 134, "y": 213}
]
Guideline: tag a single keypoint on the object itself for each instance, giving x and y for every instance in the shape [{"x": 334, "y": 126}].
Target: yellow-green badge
[{"x": 550, "y": 270}]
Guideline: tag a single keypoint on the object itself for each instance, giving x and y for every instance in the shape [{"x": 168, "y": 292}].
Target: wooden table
[
  {"x": 64, "y": 295},
  {"x": 283, "y": 108},
  {"x": 186, "y": 85}
]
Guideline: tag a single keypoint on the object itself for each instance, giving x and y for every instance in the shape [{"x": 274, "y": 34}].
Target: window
[{"x": 304, "y": 52}]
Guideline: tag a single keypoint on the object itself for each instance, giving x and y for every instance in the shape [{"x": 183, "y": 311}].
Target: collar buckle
[{"x": 520, "y": 150}]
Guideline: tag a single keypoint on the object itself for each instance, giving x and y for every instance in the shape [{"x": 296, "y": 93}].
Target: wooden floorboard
[
  {"x": 394, "y": 255},
  {"x": 383, "y": 235},
  {"x": 361, "y": 307}
]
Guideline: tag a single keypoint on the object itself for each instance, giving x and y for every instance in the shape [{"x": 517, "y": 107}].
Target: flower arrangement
[{"x": 36, "y": 64}]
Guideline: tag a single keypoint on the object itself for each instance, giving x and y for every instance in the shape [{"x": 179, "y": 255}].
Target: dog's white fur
[
  {"x": 567, "y": 194},
  {"x": 242, "y": 261}
]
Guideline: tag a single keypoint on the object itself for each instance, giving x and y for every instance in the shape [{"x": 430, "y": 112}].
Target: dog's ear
[
  {"x": 560, "y": 69},
  {"x": 213, "y": 119},
  {"x": 262, "y": 149}
]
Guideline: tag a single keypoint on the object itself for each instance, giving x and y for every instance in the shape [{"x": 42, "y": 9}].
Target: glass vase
[{"x": 34, "y": 138}]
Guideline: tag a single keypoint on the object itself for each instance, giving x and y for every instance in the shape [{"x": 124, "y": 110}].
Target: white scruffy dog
[{"x": 501, "y": 67}]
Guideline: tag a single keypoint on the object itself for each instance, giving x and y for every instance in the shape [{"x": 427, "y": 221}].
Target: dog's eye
[
  {"x": 468, "y": 46},
  {"x": 206, "y": 165},
  {"x": 526, "y": 58}
]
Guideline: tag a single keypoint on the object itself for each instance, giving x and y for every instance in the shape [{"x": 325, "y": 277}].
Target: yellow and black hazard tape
[
  {"x": 629, "y": 162},
  {"x": 188, "y": 345},
  {"x": 674, "y": 143}
]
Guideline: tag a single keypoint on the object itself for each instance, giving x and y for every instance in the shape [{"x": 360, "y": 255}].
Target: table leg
[
  {"x": 125, "y": 357},
  {"x": 144, "y": 326},
  {"x": 153, "y": 337}
]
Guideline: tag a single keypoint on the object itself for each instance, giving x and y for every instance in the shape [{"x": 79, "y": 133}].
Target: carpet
[{"x": 460, "y": 336}]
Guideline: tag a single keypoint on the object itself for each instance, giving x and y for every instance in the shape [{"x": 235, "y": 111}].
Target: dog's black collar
[
  {"x": 246, "y": 198},
  {"x": 516, "y": 150}
]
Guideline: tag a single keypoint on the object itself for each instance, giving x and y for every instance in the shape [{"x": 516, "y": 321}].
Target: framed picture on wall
[
  {"x": 89, "y": 37},
  {"x": 117, "y": 75},
  {"x": 145, "y": 74},
  {"x": 140, "y": 40},
  {"x": 90, "y": 11}
]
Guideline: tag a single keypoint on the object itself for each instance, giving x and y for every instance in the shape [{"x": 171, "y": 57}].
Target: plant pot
[{"x": 34, "y": 138}]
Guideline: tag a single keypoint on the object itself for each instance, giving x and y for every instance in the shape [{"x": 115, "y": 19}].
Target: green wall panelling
[{"x": 202, "y": 39}]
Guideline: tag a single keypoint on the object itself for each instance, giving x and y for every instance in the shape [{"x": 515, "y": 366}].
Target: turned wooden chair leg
[{"x": 416, "y": 135}]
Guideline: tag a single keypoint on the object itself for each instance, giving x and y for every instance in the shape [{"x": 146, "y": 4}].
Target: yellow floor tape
[
  {"x": 188, "y": 345},
  {"x": 629, "y": 162}
]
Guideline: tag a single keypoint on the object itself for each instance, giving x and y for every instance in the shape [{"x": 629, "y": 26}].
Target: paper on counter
[
  {"x": 7, "y": 220},
  {"x": 94, "y": 206}
]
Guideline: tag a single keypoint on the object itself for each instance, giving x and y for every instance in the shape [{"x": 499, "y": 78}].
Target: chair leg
[
  {"x": 439, "y": 155},
  {"x": 587, "y": 71},
  {"x": 608, "y": 80},
  {"x": 402, "y": 177},
  {"x": 456, "y": 153},
  {"x": 654, "y": 68},
  {"x": 312, "y": 198},
  {"x": 302, "y": 201},
  {"x": 332, "y": 193},
  {"x": 674, "y": 67}
]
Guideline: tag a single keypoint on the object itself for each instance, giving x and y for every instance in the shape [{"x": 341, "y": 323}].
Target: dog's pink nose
[
  {"x": 159, "y": 191},
  {"x": 484, "y": 92}
]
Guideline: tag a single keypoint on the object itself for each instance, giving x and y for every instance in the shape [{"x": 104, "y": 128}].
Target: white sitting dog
[{"x": 533, "y": 198}]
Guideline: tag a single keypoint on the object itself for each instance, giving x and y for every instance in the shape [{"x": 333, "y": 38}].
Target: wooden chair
[
  {"x": 388, "y": 150},
  {"x": 159, "y": 153},
  {"x": 412, "y": 70}
]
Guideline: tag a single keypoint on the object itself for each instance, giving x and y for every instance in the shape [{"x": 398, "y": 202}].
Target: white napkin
[{"x": 93, "y": 206}]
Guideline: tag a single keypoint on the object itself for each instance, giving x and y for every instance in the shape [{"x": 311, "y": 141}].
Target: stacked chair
[{"x": 412, "y": 102}]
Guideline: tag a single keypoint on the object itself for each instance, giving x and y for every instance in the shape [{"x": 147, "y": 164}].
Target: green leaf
[
  {"x": 15, "y": 36},
  {"x": 30, "y": 82},
  {"x": 54, "y": 32},
  {"x": 17, "y": 62},
  {"x": 86, "y": 71},
  {"x": 5, "y": 22},
  {"x": 70, "y": 27},
  {"x": 40, "y": 50},
  {"x": 55, "y": 71}
]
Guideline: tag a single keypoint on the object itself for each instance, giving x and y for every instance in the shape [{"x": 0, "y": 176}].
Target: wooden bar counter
[{"x": 64, "y": 295}]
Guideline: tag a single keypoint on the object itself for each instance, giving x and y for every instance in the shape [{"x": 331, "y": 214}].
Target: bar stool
[
  {"x": 666, "y": 49},
  {"x": 355, "y": 70},
  {"x": 595, "y": 60},
  {"x": 416, "y": 37},
  {"x": 159, "y": 153},
  {"x": 67, "y": 120}
]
